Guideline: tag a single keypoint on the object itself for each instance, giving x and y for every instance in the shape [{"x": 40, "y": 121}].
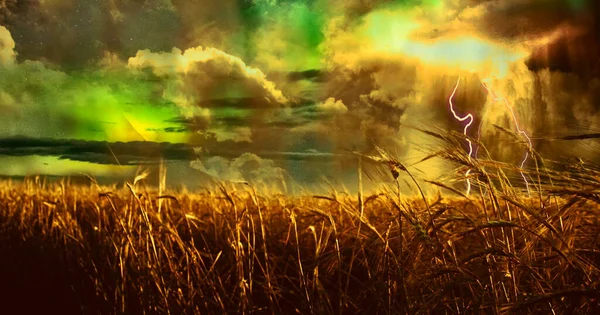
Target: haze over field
[{"x": 272, "y": 91}]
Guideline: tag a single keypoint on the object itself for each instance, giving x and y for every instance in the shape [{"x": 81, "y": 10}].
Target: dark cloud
[
  {"x": 210, "y": 23},
  {"x": 241, "y": 102},
  {"x": 569, "y": 32},
  {"x": 76, "y": 33},
  {"x": 579, "y": 54},
  {"x": 358, "y": 8},
  {"x": 137, "y": 152},
  {"x": 236, "y": 76},
  {"x": 315, "y": 75},
  {"x": 169, "y": 129},
  {"x": 191, "y": 124},
  {"x": 96, "y": 151},
  {"x": 525, "y": 19}
]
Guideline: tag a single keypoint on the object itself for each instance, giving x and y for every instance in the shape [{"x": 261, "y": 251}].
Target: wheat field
[{"x": 140, "y": 249}]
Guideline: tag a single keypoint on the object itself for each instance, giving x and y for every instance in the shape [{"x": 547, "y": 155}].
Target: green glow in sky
[
  {"x": 255, "y": 75},
  {"x": 114, "y": 104},
  {"x": 87, "y": 105}
]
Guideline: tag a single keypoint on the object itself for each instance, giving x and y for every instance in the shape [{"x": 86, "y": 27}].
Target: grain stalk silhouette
[{"x": 141, "y": 248}]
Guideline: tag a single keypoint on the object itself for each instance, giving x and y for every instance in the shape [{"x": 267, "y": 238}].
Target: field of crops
[{"x": 140, "y": 250}]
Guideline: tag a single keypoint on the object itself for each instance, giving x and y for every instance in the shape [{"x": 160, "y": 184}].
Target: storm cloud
[{"x": 292, "y": 85}]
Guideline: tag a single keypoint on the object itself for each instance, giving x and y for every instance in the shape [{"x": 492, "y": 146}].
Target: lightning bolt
[
  {"x": 469, "y": 119},
  {"x": 497, "y": 98}
]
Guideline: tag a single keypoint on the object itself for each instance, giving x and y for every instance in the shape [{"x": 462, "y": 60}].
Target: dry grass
[{"x": 103, "y": 250}]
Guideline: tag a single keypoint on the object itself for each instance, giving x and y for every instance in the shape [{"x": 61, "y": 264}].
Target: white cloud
[
  {"x": 7, "y": 47},
  {"x": 207, "y": 67},
  {"x": 247, "y": 167},
  {"x": 332, "y": 106}
]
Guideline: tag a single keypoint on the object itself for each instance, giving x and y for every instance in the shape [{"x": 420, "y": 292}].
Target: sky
[{"x": 278, "y": 92}]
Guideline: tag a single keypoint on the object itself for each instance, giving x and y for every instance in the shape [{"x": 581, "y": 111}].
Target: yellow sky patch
[
  {"x": 393, "y": 34},
  {"x": 51, "y": 165}
]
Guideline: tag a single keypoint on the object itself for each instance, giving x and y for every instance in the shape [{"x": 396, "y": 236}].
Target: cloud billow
[{"x": 291, "y": 81}]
